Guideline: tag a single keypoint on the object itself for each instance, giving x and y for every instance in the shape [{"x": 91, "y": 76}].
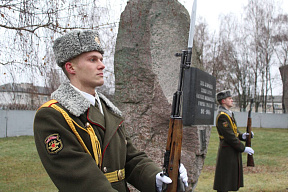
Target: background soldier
[{"x": 229, "y": 170}]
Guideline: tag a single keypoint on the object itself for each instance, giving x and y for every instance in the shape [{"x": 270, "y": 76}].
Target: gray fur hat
[
  {"x": 223, "y": 95},
  {"x": 74, "y": 43}
]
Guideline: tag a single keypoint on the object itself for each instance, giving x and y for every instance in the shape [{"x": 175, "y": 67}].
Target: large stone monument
[
  {"x": 284, "y": 75},
  {"x": 146, "y": 76}
]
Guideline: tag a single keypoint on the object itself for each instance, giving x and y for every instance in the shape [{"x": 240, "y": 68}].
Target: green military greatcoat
[
  {"x": 72, "y": 167},
  {"x": 229, "y": 170}
]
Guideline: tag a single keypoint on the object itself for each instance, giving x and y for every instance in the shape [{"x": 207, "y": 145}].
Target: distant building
[
  {"x": 23, "y": 96},
  {"x": 274, "y": 105}
]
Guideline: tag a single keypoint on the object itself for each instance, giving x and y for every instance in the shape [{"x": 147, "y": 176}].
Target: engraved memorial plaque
[{"x": 199, "y": 89}]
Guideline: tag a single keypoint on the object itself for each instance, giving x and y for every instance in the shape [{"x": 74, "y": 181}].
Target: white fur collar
[
  {"x": 75, "y": 103},
  {"x": 223, "y": 109}
]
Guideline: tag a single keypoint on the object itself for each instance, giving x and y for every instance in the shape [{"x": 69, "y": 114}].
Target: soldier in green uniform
[
  {"x": 80, "y": 134},
  {"x": 229, "y": 170}
]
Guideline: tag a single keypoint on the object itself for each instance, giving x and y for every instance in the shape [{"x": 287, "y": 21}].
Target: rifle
[
  {"x": 250, "y": 160},
  {"x": 174, "y": 140}
]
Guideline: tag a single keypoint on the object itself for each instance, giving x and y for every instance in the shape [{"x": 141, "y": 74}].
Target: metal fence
[
  {"x": 262, "y": 120},
  {"x": 20, "y": 122},
  {"x": 16, "y": 122}
]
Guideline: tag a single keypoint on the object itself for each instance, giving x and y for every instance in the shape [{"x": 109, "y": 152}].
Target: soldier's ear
[{"x": 69, "y": 68}]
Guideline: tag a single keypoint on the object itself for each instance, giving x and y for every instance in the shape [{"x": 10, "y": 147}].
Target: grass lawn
[
  {"x": 270, "y": 173},
  {"x": 22, "y": 171}
]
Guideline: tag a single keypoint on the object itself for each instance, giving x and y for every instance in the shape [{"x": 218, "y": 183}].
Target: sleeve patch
[
  {"x": 53, "y": 143},
  {"x": 225, "y": 124}
]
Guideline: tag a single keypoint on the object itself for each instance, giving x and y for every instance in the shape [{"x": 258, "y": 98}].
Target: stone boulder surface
[{"x": 146, "y": 76}]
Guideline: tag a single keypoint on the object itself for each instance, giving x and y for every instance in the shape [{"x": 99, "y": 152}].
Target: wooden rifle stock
[
  {"x": 173, "y": 150},
  {"x": 250, "y": 159}
]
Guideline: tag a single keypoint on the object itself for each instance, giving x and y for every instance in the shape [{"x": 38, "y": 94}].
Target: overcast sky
[{"x": 212, "y": 9}]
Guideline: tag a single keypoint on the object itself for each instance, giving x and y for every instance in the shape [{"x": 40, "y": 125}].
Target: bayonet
[{"x": 192, "y": 25}]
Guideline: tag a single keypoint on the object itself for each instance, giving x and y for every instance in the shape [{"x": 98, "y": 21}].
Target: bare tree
[
  {"x": 234, "y": 59},
  {"x": 260, "y": 23},
  {"x": 29, "y": 28},
  {"x": 201, "y": 40},
  {"x": 242, "y": 54},
  {"x": 209, "y": 51}
]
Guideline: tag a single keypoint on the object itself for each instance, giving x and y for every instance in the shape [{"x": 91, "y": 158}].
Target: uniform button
[
  {"x": 105, "y": 169},
  {"x": 87, "y": 124}
]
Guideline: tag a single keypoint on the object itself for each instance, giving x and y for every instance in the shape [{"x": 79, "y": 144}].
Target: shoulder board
[
  {"x": 48, "y": 103},
  {"x": 222, "y": 113},
  {"x": 219, "y": 114}
]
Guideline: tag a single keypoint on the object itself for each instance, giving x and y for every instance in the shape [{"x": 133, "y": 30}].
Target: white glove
[
  {"x": 244, "y": 135},
  {"x": 183, "y": 174},
  {"x": 249, "y": 150},
  {"x": 160, "y": 179}
]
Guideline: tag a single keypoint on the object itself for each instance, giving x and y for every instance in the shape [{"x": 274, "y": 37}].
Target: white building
[{"x": 23, "y": 96}]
